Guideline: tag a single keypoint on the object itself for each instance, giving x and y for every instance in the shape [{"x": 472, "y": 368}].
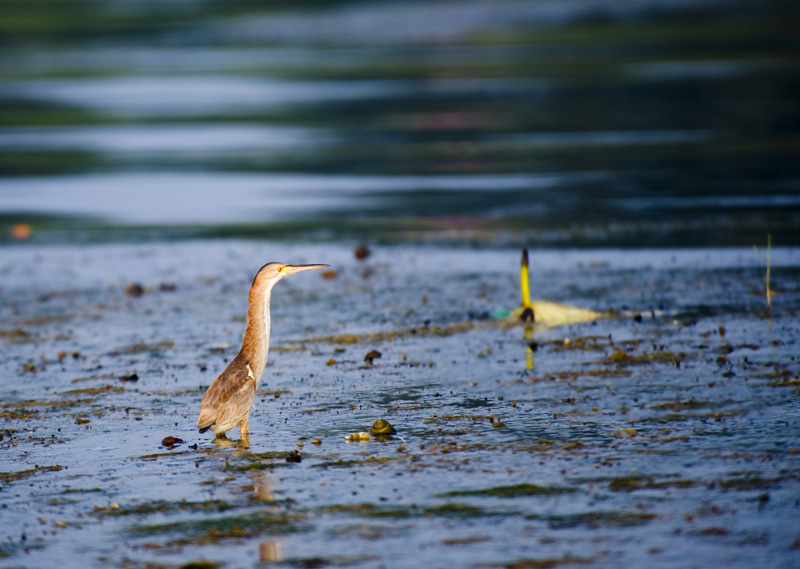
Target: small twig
[{"x": 767, "y": 258}]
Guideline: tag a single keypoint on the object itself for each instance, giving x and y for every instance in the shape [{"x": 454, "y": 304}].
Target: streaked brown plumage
[{"x": 229, "y": 398}]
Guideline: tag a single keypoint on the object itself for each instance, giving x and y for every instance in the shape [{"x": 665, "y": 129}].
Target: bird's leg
[{"x": 244, "y": 431}]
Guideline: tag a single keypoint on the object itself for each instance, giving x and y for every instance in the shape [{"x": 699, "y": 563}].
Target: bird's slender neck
[{"x": 255, "y": 345}]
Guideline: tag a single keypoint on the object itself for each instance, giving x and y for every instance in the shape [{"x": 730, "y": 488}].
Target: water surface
[{"x": 669, "y": 439}]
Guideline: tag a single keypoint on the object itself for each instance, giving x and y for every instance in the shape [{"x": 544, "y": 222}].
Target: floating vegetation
[
  {"x": 142, "y": 348},
  {"x": 16, "y": 335},
  {"x": 692, "y": 403},
  {"x": 7, "y": 477},
  {"x": 514, "y": 491},
  {"x": 543, "y": 563},
  {"x": 164, "y": 507},
  {"x": 19, "y": 410},
  {"x": 370, "y": 460},
  {"x": 368, "y": 510},
  {"x": 106, "y": 376},
  {"x": 160, "y": 455},
  {"x": 330, "y": 561},
  {"x": 595, "y": 520},
  {"x": 631, "y": 483},
  {"x": 213, "y": 530},
  {"x": 288, "y": 459},
  {"x": 717, "y": 416},
  {"x": 750, "y": 483},
  {"x": 95, "y": 390},
  {"x": 269, "y": 455},
  {"x": 621, "y": 357}
]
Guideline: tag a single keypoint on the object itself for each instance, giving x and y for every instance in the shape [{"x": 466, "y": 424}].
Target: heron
[{"x": 229, "y": 398}]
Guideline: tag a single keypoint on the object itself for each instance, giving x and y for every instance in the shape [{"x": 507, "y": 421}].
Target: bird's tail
[{"x": 206, "y": 420}]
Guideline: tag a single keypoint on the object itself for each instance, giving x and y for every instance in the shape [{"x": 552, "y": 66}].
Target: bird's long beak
[{"x": 291, "y": 269}]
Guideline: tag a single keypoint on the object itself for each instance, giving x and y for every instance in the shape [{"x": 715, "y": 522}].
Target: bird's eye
[{"x": 280, "y": 268}]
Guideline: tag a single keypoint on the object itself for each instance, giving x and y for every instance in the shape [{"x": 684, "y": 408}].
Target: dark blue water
[{"x": 555, "y": 123}]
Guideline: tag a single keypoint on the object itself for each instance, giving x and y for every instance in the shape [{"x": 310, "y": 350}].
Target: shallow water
[{"x": 669, "y": 441}]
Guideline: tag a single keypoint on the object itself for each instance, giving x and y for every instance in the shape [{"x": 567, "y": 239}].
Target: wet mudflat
[{"x": 670, "y": 439}]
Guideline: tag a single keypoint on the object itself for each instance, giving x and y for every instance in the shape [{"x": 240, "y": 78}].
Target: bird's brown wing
[{"x": 229, "y": 397}]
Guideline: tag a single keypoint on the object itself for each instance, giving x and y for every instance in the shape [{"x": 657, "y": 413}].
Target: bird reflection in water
[{"x": 270, "y": 550}]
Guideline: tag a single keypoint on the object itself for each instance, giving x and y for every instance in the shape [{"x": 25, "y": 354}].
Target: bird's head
[{"x": 273, "y": 272}]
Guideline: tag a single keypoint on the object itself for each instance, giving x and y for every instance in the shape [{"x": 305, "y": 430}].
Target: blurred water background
[{"x": 537, "y": 122}]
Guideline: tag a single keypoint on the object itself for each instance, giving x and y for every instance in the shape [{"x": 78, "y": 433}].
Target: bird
[{"x": 229, "y": 398}]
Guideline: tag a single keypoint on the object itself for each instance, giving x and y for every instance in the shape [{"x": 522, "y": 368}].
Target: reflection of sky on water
[
  {"x": 163, "y": 138},
  {"x": 208, "y": 198},
  {"x": 185, "y": 96},
  {"x": 220, "y": 137}
]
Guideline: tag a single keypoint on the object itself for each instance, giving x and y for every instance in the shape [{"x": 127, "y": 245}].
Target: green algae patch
[
  {"x": 623, "y": 358},
  {"x": 753, "y": 483},
  {"x": 269, "y": 455},
  {"x": 513, "y": 491},
  {"x": 7, "y": 477},
  {"x": 443, "y": 331},
  {"x": 158, "y": 455},
  {"x": 460, "y": 417},
  {"x": 16, "y": 335},
  {"x": 332, "y": 561},
  {"x": 213, "y": 530},
  {"x": 142, "y": 347},
  {"x": 257, "y": 466},
  {"x": 22, "y": 409},
  {"x": 456, "y": 510},
  {"x": 596, "y": 520},
  {"x": 718, "y": 416},
  {"x": 16, "y": 415},
  {"x": 369, "y": 531},
  {"x": 95, "y": 390},
  {"x": 263, "y": 461},
  {"x": 785, "y": 383},
  {"x": 542, "y": 563},
  {"x": 165, "y": 507},
  {"x": 368, "y": 510},
  {"x": 371, "y": 460},
  {"x": 604, "y": 372},
  {"x": 678, "y": 406},
  {"x": 202, "y": 564},
  {"x": 631, "y": 483}
]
